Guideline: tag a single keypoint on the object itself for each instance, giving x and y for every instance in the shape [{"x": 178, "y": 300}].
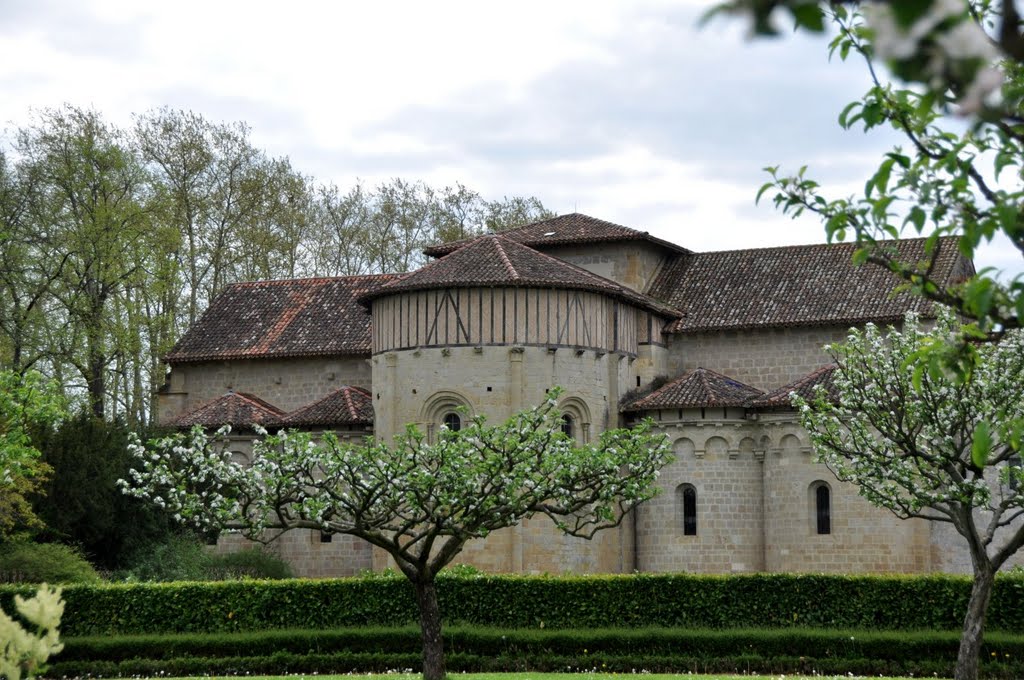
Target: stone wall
[
  {"x": 286, "y": 383},
  {"x": 631, "y": 264},
  {"x": 764, "y": 358},
  {"x": 727, "y": 478},
  {"x": 310, "y": 554},
  {"x": 755, "y": 483},
  {"x": 422, "y": 386}
]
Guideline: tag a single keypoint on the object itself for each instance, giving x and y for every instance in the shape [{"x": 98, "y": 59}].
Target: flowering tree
[
  {"x": 958, "y": 57},
  {"x": 23, "y": 652},
  {"x": 935, "y": 447},
  {"x": 419, "y": 501}
]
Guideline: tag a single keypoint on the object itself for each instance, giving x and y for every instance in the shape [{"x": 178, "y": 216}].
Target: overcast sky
[{"x": 626, "y": 111}]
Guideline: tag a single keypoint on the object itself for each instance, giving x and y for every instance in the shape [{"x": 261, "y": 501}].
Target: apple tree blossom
[
  {"x": 419, "y": 501},
  {"x": 931, "y": 445}
]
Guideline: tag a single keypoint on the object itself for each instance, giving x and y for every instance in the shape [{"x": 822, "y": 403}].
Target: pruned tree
[
  {"x": 418, "y": 501},
  {"x": 930, "y": 445}
]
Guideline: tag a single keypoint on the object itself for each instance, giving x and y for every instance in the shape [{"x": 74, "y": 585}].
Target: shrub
[
  {"x": 634, "y": 601},
  {"x": 180, "y": 557},
  {"x": 81, "y": 502},
  {"x": 488, "y": 649},
  {"x": 25, "y": 562},
  {"x": 248, "y": 563}
]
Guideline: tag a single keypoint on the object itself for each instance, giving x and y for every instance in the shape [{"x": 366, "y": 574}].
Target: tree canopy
[
  {"x": 419, "y": 501},
  {"x": 929, "y": 445},
  {"x": 114, "y": 240}
]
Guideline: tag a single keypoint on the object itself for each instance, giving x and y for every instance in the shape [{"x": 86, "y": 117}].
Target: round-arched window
[
  {"x": 821, "y": 508},
  {"x": 568, "y": 425},
  {"x": 452, "y": 421}
]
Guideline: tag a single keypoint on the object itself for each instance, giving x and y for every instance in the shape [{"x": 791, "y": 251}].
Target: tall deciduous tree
[
  {"x": 420, "y": 502},
  {"x": 90, "y": 205},
  {"x": 932, "y": 446},
  {"x": 113, "y": 241}
]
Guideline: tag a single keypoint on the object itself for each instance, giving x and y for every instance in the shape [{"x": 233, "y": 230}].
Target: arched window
[
  {"x": 568, "y": 425},
  {"x": 444, "y": 409},
  {"x": 452, "y": 421},
  {"x": 822, "y": 497},
  {"x": 686, "y": 497},
  {"x": 575, "y": 419}
]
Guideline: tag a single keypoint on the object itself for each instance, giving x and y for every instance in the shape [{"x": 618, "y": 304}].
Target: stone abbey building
[{"x": 707, "y": 344}]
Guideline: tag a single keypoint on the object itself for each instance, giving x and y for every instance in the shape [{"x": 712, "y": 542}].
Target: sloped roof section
[
  {"x": 574, "y": 228},
  {"x": 237, "y": 409},
  {"x": 793, "y": 286},
  {"x": 495, "y": 260},
  {"x": 697, "y": 388},
  {"x": 288, "y": 318},
  {"x": 806, "y": 387},
  {"x": 344, "y": 406}
]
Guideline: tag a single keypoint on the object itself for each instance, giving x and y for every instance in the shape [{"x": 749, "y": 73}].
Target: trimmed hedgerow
[
  {"x": 669, "y": 600},
  {"x": 805, "y": 642},
  {"x": 476, "y": 649}
]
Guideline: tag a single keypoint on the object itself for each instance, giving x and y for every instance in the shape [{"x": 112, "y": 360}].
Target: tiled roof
[
  {"x": 697, "y": 388},
  {"x": 344, "y": 406},
  {"x": 237, "y": 409},
  {"x": 290, "y": 318},
  {"x": 792, "y": 286},
  {"x": 805, "y": 387},
  {"x": 574, "y": 228},
  {"x": 495, "y": 260}
]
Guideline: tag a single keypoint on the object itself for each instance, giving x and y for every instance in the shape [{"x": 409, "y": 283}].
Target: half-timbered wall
[{"x": 509, "y": 316}]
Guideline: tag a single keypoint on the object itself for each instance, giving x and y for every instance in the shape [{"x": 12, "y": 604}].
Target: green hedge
[
  {"x": 695, "y": 601},
  {"x": 482, "y": 649}
]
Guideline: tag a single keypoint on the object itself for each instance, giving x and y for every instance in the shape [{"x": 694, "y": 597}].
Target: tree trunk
[
  {"x": 430, "y": 627},
  {"x": 974, "y": 624}
]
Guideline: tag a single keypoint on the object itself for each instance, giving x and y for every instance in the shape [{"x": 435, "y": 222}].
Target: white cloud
[{"x": 621, "y": 110}]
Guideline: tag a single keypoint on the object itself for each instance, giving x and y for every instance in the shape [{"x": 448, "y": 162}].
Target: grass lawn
[{"x": 545, "y": 676}]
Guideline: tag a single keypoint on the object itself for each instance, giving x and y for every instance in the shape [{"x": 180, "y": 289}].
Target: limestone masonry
[{"x": 709, "y": 345}]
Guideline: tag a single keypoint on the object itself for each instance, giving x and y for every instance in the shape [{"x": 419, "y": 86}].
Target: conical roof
[
  {"x": 570, "y": 229},
  {"x": 498, "y": 261}
]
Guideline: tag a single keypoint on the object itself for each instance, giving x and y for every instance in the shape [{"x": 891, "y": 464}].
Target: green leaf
[
  {"x": 907, "y": 12},
  {"x": 916, "y": 217},
  {"x": 981, "y": 447},
  {"x": 808, "y": 16}
]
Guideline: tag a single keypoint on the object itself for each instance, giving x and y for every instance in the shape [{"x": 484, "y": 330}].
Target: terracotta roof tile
[
  {"x": 289, "y": 318},
  {"x": 697, "y": 388},
  {"x": 792, "y": 286},
  {"x": 495, "y": 260},
  {"x": 344, "y": 406},
  {"x": 237, "y": 409},
  {"x": 805, "y": 387},
  {"x": 563, "y": 230}
]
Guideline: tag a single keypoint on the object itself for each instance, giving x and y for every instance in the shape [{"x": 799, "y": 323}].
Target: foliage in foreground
[
  {"x": 420, "y": 501},
  {"x": 932, "y": 444},
  {"x": 23, "y": 651}
]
